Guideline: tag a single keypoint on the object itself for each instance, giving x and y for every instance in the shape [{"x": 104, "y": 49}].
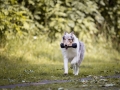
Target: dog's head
[{"x": 68, "y": 39}]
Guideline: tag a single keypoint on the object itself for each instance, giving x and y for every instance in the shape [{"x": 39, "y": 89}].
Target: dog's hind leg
[
  {"x": 77, "y": 70},
  {"x": 74, "y": 69},
  {"x": 75, "y": 66}
]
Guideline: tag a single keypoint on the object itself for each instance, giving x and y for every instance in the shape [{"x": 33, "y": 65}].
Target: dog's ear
[
  {"x": 65, "y": 33},
  {"x": 72, "y": 33}
]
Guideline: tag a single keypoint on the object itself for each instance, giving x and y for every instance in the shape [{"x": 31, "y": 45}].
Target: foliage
[
  {"x": 58, "y": 16},
  {"x": 15, "y": 20},
  {"x": 110, "y": 10},
  {"x": 33, "y": 60},
  {"x": 92, "y": 20}
]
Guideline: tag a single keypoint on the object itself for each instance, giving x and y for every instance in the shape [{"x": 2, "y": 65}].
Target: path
[{"x": 53, "y": 81}]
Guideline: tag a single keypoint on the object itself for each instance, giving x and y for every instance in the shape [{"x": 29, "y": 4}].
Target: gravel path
[{"x": 54, "y": 81}]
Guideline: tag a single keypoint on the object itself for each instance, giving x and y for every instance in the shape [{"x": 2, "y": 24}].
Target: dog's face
[{"x": 68, "y": 39}]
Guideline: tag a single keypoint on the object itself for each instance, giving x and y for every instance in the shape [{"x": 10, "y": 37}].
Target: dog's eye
[{"x": 64, "y": 38}]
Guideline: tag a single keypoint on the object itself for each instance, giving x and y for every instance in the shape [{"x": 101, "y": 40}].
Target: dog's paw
[
  {"x": 65, "y": 74},
  {"x": 76, "y": 74}
]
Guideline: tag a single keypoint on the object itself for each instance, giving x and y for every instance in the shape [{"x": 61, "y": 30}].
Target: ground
[{"x": 27, "y": 62}]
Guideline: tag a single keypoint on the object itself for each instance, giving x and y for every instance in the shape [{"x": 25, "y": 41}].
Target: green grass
[
  {"x": 74, "y": 85},
  {"x": 35, "y": 60}
]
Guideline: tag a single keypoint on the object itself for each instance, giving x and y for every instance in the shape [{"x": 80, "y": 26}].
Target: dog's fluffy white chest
[{"x": 70, "y": 52}]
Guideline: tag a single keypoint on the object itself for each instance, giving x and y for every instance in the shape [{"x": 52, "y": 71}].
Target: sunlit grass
[{"x": 34, "y": 60}]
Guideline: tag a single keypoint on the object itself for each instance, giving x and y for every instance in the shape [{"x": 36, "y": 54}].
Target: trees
[
  {"x": 56, "y": 16},
  {"x": 90, "y": 19},
  {"x": 110, "y": 10},
  {"x": 15, "y": 20}
]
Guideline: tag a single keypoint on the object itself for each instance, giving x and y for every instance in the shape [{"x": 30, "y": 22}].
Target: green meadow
[
  {"x": 33, "y": 60},
  {"x": 30, "y": 35}
]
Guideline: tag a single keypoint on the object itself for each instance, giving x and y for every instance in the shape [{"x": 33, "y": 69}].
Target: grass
[
  {"x": 35, "y": 60},
  {"x": 75, "y": 85}
]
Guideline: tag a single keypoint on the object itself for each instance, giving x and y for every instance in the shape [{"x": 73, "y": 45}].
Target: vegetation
[
  {"x": 28, "y": 61},
  {"x": 92, "y": 20},
  {"x": 30, "y": 33}
]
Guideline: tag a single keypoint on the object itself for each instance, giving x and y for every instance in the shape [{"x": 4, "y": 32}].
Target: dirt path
[{"x": 54, "y": 81}]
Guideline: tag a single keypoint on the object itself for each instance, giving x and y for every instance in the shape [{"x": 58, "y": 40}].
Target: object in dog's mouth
[
  {"x": 66, "y": 47},
  {"x": 74, "y": 45}
]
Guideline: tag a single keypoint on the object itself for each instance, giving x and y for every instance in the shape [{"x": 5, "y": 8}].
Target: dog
[{"x": 72, "y": 51}]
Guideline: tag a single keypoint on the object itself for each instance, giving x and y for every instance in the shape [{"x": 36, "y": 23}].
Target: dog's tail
[{"x": 82, "y": 51}]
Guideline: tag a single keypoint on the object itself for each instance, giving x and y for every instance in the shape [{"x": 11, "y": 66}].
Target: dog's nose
[{"x": 65, "y": 45}]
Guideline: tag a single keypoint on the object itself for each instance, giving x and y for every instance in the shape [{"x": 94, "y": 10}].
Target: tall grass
[
  {"x": 31, "y": 60},
  {"x": 34, "y": 49}
]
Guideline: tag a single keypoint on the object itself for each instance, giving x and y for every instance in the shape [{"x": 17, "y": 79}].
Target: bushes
[{"x": 92, "y": 20}]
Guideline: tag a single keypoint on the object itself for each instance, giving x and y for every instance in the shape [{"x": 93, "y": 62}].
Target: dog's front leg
[
  {"x": 75, "y": 66},
  {"x": 65, "y": 66}
]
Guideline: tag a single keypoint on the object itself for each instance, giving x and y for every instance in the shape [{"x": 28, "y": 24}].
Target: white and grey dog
[{"x": 73, "y": 52}]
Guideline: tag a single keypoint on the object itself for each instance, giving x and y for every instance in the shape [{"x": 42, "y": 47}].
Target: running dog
[{"x": 73, "y": 52}]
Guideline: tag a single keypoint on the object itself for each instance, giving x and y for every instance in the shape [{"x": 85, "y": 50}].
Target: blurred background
[
  {"x": 93, "y": 21},
  {"x": 35, "y": 27},
  {"x": 31, "y": 31},
  {"x": 25, "y": 23}
]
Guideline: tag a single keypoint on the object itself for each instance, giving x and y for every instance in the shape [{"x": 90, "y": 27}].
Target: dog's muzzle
[{"x": 74, "y": 45}]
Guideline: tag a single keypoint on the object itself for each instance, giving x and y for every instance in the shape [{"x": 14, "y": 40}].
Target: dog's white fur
[{"x": 73, "y": 55}]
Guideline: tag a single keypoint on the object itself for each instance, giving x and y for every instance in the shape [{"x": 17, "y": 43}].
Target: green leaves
[
  {"x": 15, "y": 20},
  {"x": 53, "y": 17},
  {"x": 58, "y": 16}
]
